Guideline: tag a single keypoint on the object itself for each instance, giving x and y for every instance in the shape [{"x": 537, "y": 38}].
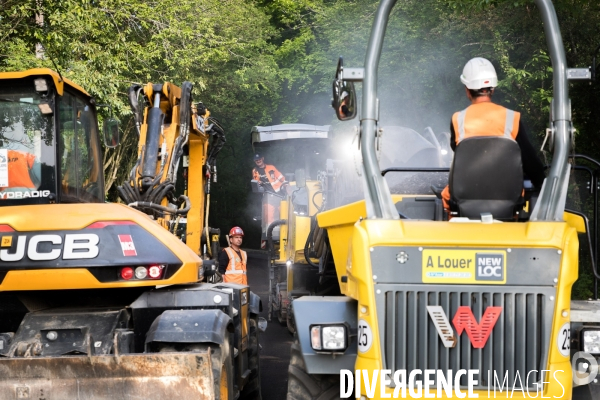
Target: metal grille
[{"x": 518, "y": 342}]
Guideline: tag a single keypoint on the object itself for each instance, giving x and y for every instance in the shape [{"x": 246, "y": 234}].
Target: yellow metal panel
[
  {"x": 78, "y": 216},
  {"x": 302, "y": 229},
  {"x": 74, "y": 278},
  {"x": 352, "y": 238},
  {"x": 369, "y": 233},
  {"x": 6, "y": 241},
  {"x": 283, "y": 231},
  {"x": 58, "y": 82},
  {"x": 575, "y": 221},
  {"x": 314, "y": 198},
  {"x": 196, "y": 181}
]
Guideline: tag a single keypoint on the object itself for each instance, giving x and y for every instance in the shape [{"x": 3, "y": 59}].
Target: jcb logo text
[{"x": 50, "y": 247}]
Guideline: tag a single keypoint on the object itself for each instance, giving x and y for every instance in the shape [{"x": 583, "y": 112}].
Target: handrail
[
  {"x": 378, "y": 197},
  {"x": 415, "y": 169},
  {"x": 550, "y": 206}
]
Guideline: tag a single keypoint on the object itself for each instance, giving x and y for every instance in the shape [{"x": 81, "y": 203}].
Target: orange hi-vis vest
[
  {"x": 19, "y": 165},
  {"x": 275, "y": 178},
  {"x": 236, "y": 269},
  {"x": 485, "y": 119}
]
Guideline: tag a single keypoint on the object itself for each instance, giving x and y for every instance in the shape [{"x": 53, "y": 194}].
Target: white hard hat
[{"x": 479, "y": 73}]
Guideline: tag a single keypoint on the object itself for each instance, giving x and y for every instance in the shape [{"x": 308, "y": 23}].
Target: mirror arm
[{"x": 353, "y": 74}]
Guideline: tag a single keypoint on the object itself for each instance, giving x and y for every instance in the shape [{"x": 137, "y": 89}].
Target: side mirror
[
  {"x": 300, "y": 178},
  {"x": 344, "y": 95},
  {"x": 110, "y": 129}
]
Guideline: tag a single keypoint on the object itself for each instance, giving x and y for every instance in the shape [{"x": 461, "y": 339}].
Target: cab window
[
  {"x": 25, "y": 144},
  {"x": 79, "y": 152}
]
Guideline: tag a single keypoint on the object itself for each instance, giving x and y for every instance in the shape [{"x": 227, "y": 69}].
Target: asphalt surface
[{"x": 276, "y": 341}]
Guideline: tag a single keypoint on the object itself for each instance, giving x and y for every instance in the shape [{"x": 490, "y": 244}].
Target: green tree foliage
[{"x": 222, "y": 46}]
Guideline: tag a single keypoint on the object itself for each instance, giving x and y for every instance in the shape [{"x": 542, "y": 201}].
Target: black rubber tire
[
  {"x": 281, "y": 312},
  {"x": 290, "y": 324},
  {"x": 251, "y": 390},
  {"x": 303, "y": 386},
  {"x": 221, "y": 362}
]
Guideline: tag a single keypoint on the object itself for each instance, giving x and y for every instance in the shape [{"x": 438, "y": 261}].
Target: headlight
[
  {"x": 591, "y": 341},
  {"x": 328, "y": 337},
  {"x": 334, "y": 337}
]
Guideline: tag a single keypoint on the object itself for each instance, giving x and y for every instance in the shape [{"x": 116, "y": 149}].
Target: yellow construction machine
[
  {"x": 300, "y": 152},
  {"x": 106, "y": 301},
  {"x": 478, "y": 306}
]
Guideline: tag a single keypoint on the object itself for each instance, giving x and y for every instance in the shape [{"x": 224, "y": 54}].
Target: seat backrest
[{"x": 486, "y": 177}]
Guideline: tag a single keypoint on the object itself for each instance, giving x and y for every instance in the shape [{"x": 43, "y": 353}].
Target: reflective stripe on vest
[
  {"x": 236, "y": 271},
  {"x": 486, "y": 119}
]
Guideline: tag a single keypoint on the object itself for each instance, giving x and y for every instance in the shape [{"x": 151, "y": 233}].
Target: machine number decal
[
  {"x": 365, "y": 336},
  {"x": 564, "y": 340},
  {"x": 127, "y": 246}
]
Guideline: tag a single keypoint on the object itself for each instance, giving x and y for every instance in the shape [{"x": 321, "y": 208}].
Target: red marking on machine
[
  {"x": 478, "y": 333},
  {"x": 464, "y": 320},
  {"x": 127, "y": 245}
]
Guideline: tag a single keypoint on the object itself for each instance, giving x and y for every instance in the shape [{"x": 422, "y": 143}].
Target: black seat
[{"x": 486, "y": 177}]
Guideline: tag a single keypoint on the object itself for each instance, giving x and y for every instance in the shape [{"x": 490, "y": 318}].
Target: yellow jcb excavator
[{"x": 99, "y": 300}]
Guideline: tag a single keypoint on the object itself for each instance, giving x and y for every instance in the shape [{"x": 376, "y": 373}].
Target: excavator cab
[{"x": 49, "y": 141}]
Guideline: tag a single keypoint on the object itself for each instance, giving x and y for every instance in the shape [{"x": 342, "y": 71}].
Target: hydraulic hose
[
  {"x": 206, "y": 224},
  {"x": 307, "y": 245},
  {"x": 158, "y": 207},
  {"x": 155, "y": 122},
  {"x": 133, "y": 94},
  {"x": 319, "y": 209}
]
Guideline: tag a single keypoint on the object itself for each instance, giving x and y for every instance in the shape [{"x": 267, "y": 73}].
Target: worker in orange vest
[
  {"x": 20, "y": 169},
  {"x": 272, "y": 181},
  {"x": 485, "y": 118},
  {"x": 233, "y": 260},
  {"x": 267, "y": 175}
]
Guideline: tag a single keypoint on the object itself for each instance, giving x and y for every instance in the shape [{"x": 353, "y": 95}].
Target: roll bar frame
[{"x": 551, "y": 202}]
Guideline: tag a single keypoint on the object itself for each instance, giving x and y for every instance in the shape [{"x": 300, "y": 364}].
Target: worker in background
[
  {"x": 233, "y": 260},
  {"x": 18, "y": 170},
  {"x": 267, "y": 175},
  {"x": 272, "y": 181},
  {"x": 485, "y": 118}
]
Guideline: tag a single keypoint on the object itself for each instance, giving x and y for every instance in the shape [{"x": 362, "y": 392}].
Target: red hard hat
[{"x": 236, "y": 231}]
